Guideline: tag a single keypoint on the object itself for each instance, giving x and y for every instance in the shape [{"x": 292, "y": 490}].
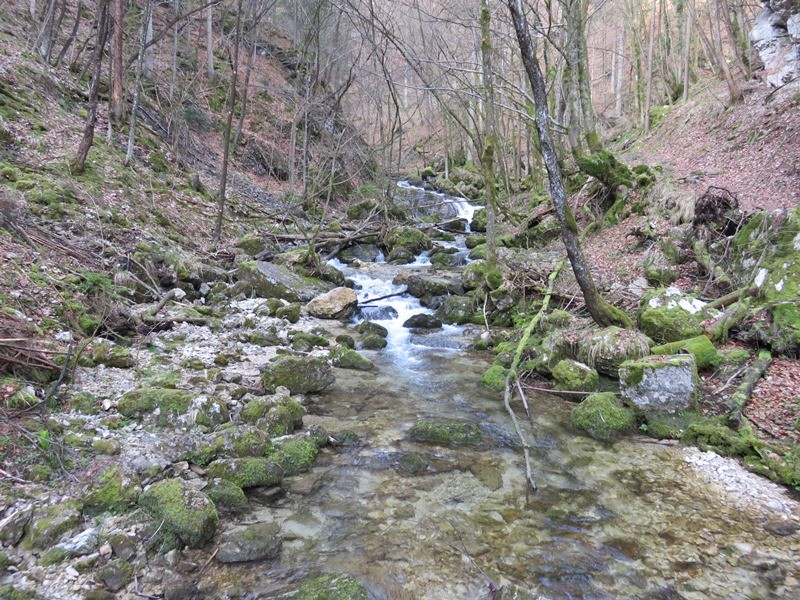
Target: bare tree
[
  {"x": 117, "y": 68},
  {"x": 146, "y": 23},
  {"x": 210, "y": 43}
]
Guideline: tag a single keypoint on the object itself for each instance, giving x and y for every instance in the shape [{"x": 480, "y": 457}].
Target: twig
[
  {"x": 54, "y": 388},
  {"x": 13, "y": 478},
  {"x": 507, "y": 403},
  {"x": 728, "y": 383},
  {"x": 161, "y": 303},
  {"x": 382, "y": 297},
  {"x": 524, "y": 400},
  {"x": 208, "y": 562}
]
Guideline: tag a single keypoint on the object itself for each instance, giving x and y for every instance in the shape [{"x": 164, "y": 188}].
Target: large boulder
[
  {"x": 269, "y": 280},
  {"x": 576, "y": 376},
  {"x": 257, "y": 541},
  {"x": 602, "y": 416},
  {"x": 186, "y": 515},
  {"x": 170, "y": 407},
  {"x": 339, "y": 303},
  {"x": 408, "y": 238},
  {"x": 457, "y": 310},
  {"x": 422, "y": 321},
  {"x": 606, "y": 349},
  {"x": 665, "y": 384},
  {"x": 669, "y": 315},
  {"x": 425, "y": 284},
  {"x": 298, "y": 374}
]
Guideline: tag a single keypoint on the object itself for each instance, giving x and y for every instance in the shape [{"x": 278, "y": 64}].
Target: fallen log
[
  {"x": 743, "y": 393},
  {"x": 728, "y": 299}
]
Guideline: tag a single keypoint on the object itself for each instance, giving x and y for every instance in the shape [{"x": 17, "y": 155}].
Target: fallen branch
[
  {"x": 161, "y": 304},
  {"x": 742, "y": 394},
  {"x": 170, "y": 320},
  {"x": 554, "y": 391},
  {"x": 729, "y": 299},
  {"x": 382, "y": 297},
  {"x": 10, "y": 477}
]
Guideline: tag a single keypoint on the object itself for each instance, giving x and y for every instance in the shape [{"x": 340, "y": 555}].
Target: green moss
[
  {"x": 256, "y": 409},
  {"x": 226, "y": 496},
  {"x": 734, "y": 355},
  {"x": 368, "y": 327},
  {"x": 413, "y": 463},
  {"x": 251, "y": 244},
  {"x": 21, "y": 395},
  {"x": 111, "y": 492},
  {"x": 704, "y": 352},
  {"x": 664, "y": 426},
  {"x": 9, "y": 592},
  {"x": 112, "y": 355},
  {"x": 447, "y": 432},
  {"x": 495, "y": 377},
  {"x": 673, "y": 324},
  {"x": 4, "y": 561},
  {"x": 658, "y": 276},
  {"x": 206, "y": 452},
  {"x": 246, "y": 472},
  {"x": 39, "y": 472},
  {"x": 171, "y": 403},
  {"x": 186, "y": 516},
  {"x": 309, "y": 338},
  {"x": 374, "y": 342},
  {"x": 572, "y": 375},
  {"x": 53, "y": 557},
  {"x": 345, "y": 358},
  {"x": 107, "y": 447},
  {"x": 50, "y": 523},
  {"x": 346, "y": 340},
  {"x": 605, "y": 167},
  {"x": 712, "y": 434},
  {"x": 602, "y": 416},
  {"x": 296, "y": 455},
  {"x": 278, "y": 421},
  {"x": 85, "y": 403},
  {"x": 290, "y": 312},
  {"x": 332, "y": 587},
  {"x": 409, "y": 238}
]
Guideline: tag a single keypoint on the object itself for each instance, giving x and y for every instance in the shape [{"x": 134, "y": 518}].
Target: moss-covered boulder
[
  {"x": 713, "y": 434},
  {"x": 332, "y": 587},
  {"x": 660, "y": 383},
  {"x": 670, "y": 316},
  {"x": 458, "y": 310},
  {"x": 345, "y": 358},
  {"x": 410, "y": 239},
  {"x": 256, "y": 541},
  {"x": 246, "y": 472},
  {"x": 421, "y": 285},
  {"x": 606, "y": 349},
  {"x": 270, "y": 280},
  {"x": 478, "y": 223},
  {"x": 109, "y": 354},
  {"x": 226, "y": 496},
  {"x": 339, "y": 303},
  {"x": 300, "y": 375},
  {"x": 615, "y": 176},
  {"x": 576, "y": 376},
  {"x": 422, "y": 321},
  {"x": 242, "y": 441},
  {"x": 704, "y": 352},
  {"x": 372, "y": 328},
  {"x": 446, "y": 432},
  {"x": 602, "y": 416},
  {"x": 165, "y": 403},
  {"x": 50, "y": 523},
  {"x": 251, "y": 244},
  {"x": 296, "y": 455},
  {"x": 374, "y": 342},
  {"x": 208, "y": 411},
  {"x": 477, "y": 275},
  {"x": 186, "y": 515},
  {"x": 361, "y": 252},
  {"x": 17, "y": 394},
  {"x": 495, "y": 377},
  {"x": 112, "y": 491}
]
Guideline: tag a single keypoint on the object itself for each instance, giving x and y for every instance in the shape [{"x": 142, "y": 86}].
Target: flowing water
[{"x": 633, "y": 519}]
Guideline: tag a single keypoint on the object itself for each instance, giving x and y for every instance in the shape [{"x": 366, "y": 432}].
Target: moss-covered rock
[
  {"x": 50, "y": 523},
  {"x": 374, "y": 342},
  {"x": 477, "y": 275},
  {"x": 111, "y": 355},
  {"x": 187, "y": 516},
  {"x": 459, "y": 310},
  {"x": 246, "y": 472},
  {"x": 606, "y": 349},
  {"x": 446, "y": 432},
  {"x": 345, "y": 358},
  {"x": 671, "y": 316},
  {"x": 665, "y": 426},
  {"x": 712, "y": 434},
  {"x": 410, "y": 239},
  {"x": 573, "y": 375},
  {"x": 18, "y": 395},
  {"x": 371, "y": 328},
  {"x": 226, "y": 496},
  {"x": 300, "y": 375},
  {"x": 660, "y": 383},
  {"x": 290, "y": 312},
  {"x": 251, "y": 244},
  {"x": 602, "y": 416},
  {"x": 332, "y": 587},
  {"x": 243, "y": 441},
  {"x": 209, "y": 411},
  {"x": 112, "y": 491},
  {"x": 271, "y": 280},
  {"x": 615, "y": 176},
  {"x": 296, "y": 455},
  {"x": 278, "y": 421},
  {"x": 495, "y": 377},
  {"x": 169, "y": 404},
  {"x": 86, "y": 403},
  {"x": 361, "y": 252},
  {"x": 704, "y": 352},
  {"x": 346, "y": 340}
]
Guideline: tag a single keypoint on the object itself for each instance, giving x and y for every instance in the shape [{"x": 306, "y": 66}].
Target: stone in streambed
[
  {"x": 422, "y": 321},
  {"x": 370, "y": 328},
  {"x": 446, "y": 432},
  {"x": 602, "y": 416},
  {"x": 247, "y": 472},
  {"x": 339, "y": 303},
  {"x": 187, "y": 516},
  {"x": 345, "y": 358},
  {"x": 374, "y": 342},
  {"x": 575, "y": 376},
  {"x": 332, "y": 587},
  {"x": 258, "y": 541},
  {"x": 660, "y": 383},
  {"x": 226, "y": 496},
  {"x": 300, "y": 375}
]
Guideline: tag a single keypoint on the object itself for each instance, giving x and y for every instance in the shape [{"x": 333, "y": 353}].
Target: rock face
[
  {"x": 188, "y": 516},
  {"x": 666, "y": 384},
  {"x": 268, "y": 280},
  {"x": 776, "y": 38},
  {"x": 258, "y": 541},
  {"x": 339, "y": 303}
]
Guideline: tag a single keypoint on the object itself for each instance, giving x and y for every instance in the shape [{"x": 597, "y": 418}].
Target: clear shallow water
[{"x": 628, "y": 520}]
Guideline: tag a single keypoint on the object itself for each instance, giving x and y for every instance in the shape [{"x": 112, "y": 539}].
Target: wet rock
[
  {"x": 339, "y": 303},
  {"x": 608, "y": 348},
  {"x": 296, "y": 455},
  {"x": 489, "y": 472},
  {"x": 300, "y": 375},
  {"x": 226, "y": 496},
  {"x": 576, "y": 376},
  {"x": 420, "y": 285},
  {"x": 346, "y": 341},
  {"x": 246, "y": 472},
  {"x": 345, "y": 358},
  {"x": 258, "y": 541},
  {"x": 400, "y": 256},
  {"x": 377, "y": 313},
  {"x": 187, "y": 516},
  {"x": 782, "y": 528},
  {"x": 374, "y": 342},
  {"x": 513, "y": 592},
  {"x": 269, "y": 280},
  {"x": 422, "y": 321},
  {"x": 362, "y": 252},
  {"x": 370, "y": 328},
  {"x": 115, "y": 575},
  {"x": 412, "y": 463},
  {"x": 660, "y": 383},
  {"x": 602, "y": 416},
  {"x": 407, "y": 238},
  {"x": 457, "y": 310},
  {"x": 50, "y": 523},
  {"x": 446, "y": 432},
  {"x": 332, "y": 587}
]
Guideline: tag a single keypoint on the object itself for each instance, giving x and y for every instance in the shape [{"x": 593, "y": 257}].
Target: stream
[{"x": 633, "y": 519}]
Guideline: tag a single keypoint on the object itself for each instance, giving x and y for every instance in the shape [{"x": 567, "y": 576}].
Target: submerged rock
[
  {"x": 446, "y": 432},
  {"x": 187, "y": 516},
  {"x": 660, "y": 383},
  {"x": 300, "y": 375},
  {"x": 339, "y": 303},
  {"x": 257, "y": 541},
  {"x": 332, "y": 587},
  {"x": 602, "y": 416}
]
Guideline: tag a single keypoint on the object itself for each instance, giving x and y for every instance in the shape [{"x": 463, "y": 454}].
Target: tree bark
[
  {"x": 210, "y": 44},
  {"x": 687, "y": 51},
  {"x": 490, "y": 137},
  {"x": 117, "y": 69},
  {"x": 601, "y": 311},
  {"x": 148, "y": 15},
  {"x": 78, "y": 164},
  {"x": 148, "y": 48},
  {"x": 649, "y": 84}
]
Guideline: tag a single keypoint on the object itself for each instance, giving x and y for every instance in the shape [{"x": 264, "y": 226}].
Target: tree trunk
[
  {"x": 620, "y": 72},
  {"x": 71, "y": 39},
  {"x": 250, "y": 60},
  {"x": 175, "y": 40},
  {"x": 149, "y": 48},
  {"x": 490, "y": 137},
  {"x": 148, "y": 15},
  {"x": 117, "y": 69},
  {"x": 78, "y": 164},
  {"x": 734, "y": 90},
  {"x": 210, "y": 43},
  {"x": 649, "y": 84},
  {"x": 223, "y": 180},
  {"x": 44, "y": 42},
  {"x": 603, "y": 313},
  {"x": 585, "y": 81},
  {"x": 687, "y": 51}
]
